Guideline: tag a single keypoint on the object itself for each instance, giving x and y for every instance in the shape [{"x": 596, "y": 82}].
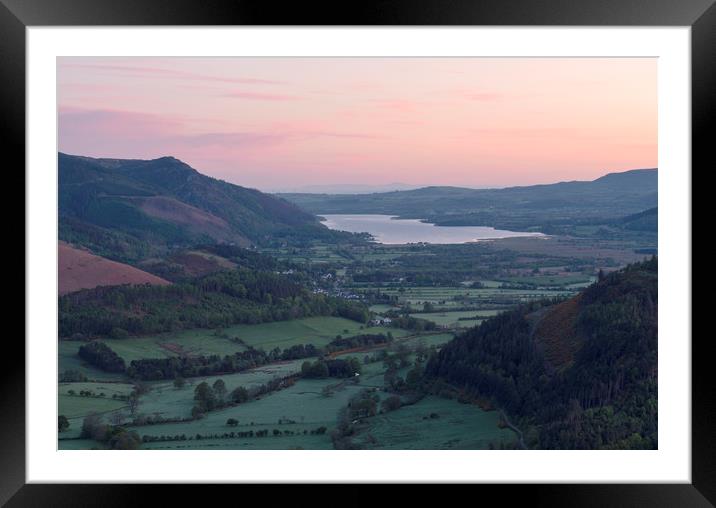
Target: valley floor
[{"x": 302, "y": 416}]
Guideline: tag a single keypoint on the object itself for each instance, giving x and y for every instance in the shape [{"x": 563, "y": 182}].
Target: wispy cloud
[
  {"x": 402, "y": 105},
  {"x": 158, "y": 72},
  {"x": 483, "y": 96},
  {"x": 142, "y": 132},
  {"x": 258, "y": 96},
  {"x": 385, "y": 119},
  {"x": 230, "y": 139},
  {"x": 111, "y": 132},
  {"x": 520, "y": 132},
  {"x": 344, "y": 135},
  {"x": 115, "y": 122}
]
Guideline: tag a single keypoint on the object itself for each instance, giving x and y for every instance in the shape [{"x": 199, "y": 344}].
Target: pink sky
[{"x": 282, "y": 123}]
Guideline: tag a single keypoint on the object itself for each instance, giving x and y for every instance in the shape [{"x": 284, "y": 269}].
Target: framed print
[{"x": 421, "y": 245}]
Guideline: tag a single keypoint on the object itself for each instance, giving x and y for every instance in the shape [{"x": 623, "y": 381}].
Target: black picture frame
[{"x": 16, "y": 15}]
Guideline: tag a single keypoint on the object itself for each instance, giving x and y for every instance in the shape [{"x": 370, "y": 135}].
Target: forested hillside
[
  {"x": 129, "y": 210},
  {"x": 602, "y": 390},
  {"x": 217, "y": 300}
]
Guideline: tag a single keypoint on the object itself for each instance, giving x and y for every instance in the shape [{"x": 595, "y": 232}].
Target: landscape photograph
[{"x": 304, "y": 253}]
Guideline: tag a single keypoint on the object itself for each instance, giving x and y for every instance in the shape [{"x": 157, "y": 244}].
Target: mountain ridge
[
  {"x": 604, "y": 178},
  {"x": 545, "y": 207},
  {"x": 128, "y": 209}
]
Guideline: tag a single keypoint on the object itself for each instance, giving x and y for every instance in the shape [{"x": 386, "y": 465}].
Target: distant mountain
[
  {"x": 537, "y": 206},
  {"x": 130, "y": 209},
  {"x": 348, "y": 188},
  {"x": 648, "y": 220},
  {"x": 577, "y": 374}
]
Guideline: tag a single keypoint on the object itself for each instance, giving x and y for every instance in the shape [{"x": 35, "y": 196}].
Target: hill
[
  {"x": 129, "y": 209},
  {"x": 244, "y": 295},
  {"x": 579, "y": 374},
  {"x": 648, "y": 220},
  {"x": 539, "y": 207},
  {"x": 201, "y": 260},
  {"x": 79, "y": 269}
]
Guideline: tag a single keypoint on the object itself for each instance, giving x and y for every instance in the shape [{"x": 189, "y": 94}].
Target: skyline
[{"x": 282, "y": 123}]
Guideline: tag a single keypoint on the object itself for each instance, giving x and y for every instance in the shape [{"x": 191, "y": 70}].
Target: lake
[{"x": 389, "y": 230}]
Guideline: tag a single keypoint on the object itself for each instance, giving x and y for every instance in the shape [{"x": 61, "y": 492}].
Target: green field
[
  {"x": 433, "y": 339},
  {"x": 458, "y": 426},
  {"x": 433, "y": 294},
  {"x": 289, "y": 415},
  {"x": 107, "y": 388},
  {"x": 457, "y": 298},
  {"x": 381, "y": 307},
  {"x": 302, "y": 403},
  {"x": 318, "y": 331},
  {"x": 68, "y": 360},
  {"x": 169, "y": 402},
  {"x": 187, "y": 342},
  {"x": 551, "y": 280},
  {"x": 75, "y": 406},
  {"x": 453, "y": 318},
  {"x": 270, "y": 442}
]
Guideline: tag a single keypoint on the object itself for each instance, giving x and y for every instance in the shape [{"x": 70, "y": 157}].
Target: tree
[
  {"x": 204, "y": 395},
  {"x": 219, "y": 390},
  {"x": 421, "y": 350},
  {"x": 354, "y": 365},
  {"x": 414, "y": 375},
  {"x": 133, "y": 403},
  {"x": 179, "y": 382},
  {"x": 402, "y": 353},
  {"x": 118, "y": 333},
  {"x": 62, "y": 423},
  {"x": 101, "y": 355},
  {"x": 116, "y": 418},
  {"x": 72, "y": 376},
  {"x": 391, "y": 403},
  {"x": 140, "y": 388},
  {"x": 240, "y": 395},
  {"x": 305, "y": 368},
  {"x": 362, "y": 408},
  {"x": 318, "y": 369},
  {"x": 93, "y": 428},
  {"x": 123, "y": 439},
  {"x": 389, "y": 377}
]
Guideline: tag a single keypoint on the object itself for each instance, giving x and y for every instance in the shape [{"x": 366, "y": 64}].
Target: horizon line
[{"x": 414, "y": 186}]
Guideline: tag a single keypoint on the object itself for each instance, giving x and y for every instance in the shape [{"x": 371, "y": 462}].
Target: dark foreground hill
[
  {"x": 132, "y": 209},
  {"x": 577, "y": 374},
  {"x": 544, "y": 207}
]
